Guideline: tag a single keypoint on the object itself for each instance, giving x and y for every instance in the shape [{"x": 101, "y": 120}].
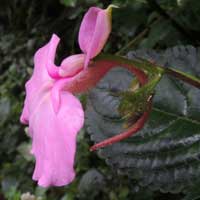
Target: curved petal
[
  {"x": 89, "y": 77},
  {"x": 56, "y": 92},
  {"x": 54, "y": 139},
  {"x": 33, "y": 96},
  {"x": 94, "y": 31},
  {"x": 39, "y": 77},
  {"x": 52, "y": 69},
  {"x": 72, "y": 65},
  {"x": 87, "y": 28},
  {"x": 42, "y": 78}
]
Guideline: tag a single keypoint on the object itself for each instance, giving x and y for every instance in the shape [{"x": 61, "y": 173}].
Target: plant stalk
[
  {"x": 183, "y": 76},
  {"x": 187, "y": 78}
]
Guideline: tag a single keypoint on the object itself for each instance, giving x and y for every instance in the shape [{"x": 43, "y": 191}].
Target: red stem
[
  {"x": 88, "y": 78},
  {"x": 133, "y": 129}
]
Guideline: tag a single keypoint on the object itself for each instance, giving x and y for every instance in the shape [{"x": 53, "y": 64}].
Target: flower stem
[
  {"x": 133, "y": 129},
  {"x": 192, "y": 80},
  {"x": 184, "y": 77}
]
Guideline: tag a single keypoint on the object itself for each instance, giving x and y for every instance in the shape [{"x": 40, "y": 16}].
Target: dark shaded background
[{"x": 25, "y": 25}]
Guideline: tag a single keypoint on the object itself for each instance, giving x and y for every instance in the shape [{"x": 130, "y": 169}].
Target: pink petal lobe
[
  {"x": 40, "y": 78},
  {"x": 94, "y": 31},
  {"x": 54, "y": 139},
  {"x": 56, "y": 92},
  {"x": 52, "y": 69},
  {"x": 87, "y": 28},
  {"x": 72, "y": 65}
]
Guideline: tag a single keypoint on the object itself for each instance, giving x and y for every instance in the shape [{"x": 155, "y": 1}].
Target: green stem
[
  {"x": 194, "y": 81},
  {"x": 184, "y": 77},
  {"x": 136, "y": 63}
]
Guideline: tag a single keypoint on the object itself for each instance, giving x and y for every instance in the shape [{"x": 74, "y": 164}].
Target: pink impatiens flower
[{"x": 53, "y": 114}]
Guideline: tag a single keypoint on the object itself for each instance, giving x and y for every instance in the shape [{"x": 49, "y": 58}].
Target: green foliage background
[{"x": 24, "y": 27}]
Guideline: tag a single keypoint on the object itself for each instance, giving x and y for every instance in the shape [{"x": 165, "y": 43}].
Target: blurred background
[{"x": 25, "y": 25}]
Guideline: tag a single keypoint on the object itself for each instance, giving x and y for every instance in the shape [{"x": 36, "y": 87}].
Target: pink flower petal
[
  {"x": 94, "y": 31},
  {"x": 39, "y": 79},
  {"x": 54, "y": 139},
  {"x": 72, "y": 65},
  {"x": 87, "y": 28},
  {"x": 56, "y": 92},
  {"x": 89, "y": 77},
  {"x": 52, "y": 69},
  {"x": 53, "y": 133}
]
